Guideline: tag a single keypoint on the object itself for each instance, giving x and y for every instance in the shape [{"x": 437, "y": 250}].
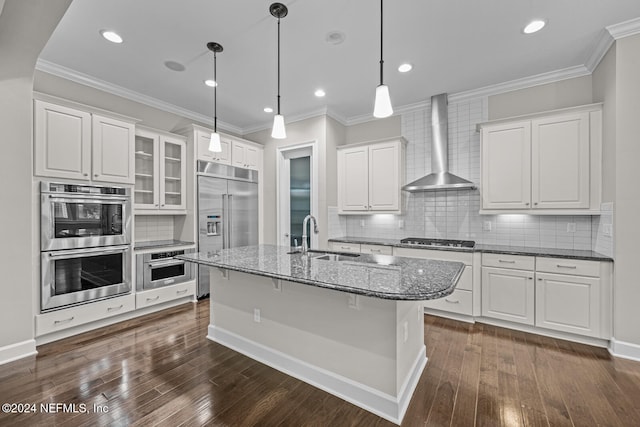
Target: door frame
[{"x": 282, "y": 185}]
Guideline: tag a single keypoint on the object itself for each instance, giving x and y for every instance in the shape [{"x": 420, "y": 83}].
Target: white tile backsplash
[
  {"x": 153, "y": 227},
  {"x": 453, "y": 214}
]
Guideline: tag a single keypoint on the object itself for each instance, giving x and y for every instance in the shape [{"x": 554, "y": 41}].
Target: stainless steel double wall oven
[{"x": 85, "y": 243}]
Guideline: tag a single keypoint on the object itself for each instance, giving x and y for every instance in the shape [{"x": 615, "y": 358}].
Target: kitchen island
[{"x": 350, "y": 324}]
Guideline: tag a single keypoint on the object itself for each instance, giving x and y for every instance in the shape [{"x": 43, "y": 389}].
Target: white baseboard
[
  {"x": 16, "y": 351},
  {"x": 382, "y": 404},
  {"x": 626, "y": 350},
  {"x": 450, "y": 315}
]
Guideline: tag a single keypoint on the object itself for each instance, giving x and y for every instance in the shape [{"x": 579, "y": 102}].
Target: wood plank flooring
[{"x": 161, "y": 370}]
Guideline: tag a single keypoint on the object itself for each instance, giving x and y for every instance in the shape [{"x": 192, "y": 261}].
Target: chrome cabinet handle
[
  {"x": 506, "y": 261},
  {"x": 153, "y": 299},
  {"x": 181, "y": 292},
  {"x": 57, "y": 322},
  {"x": 375, "y": 250},
  {"x": 573, "y": 267},
  {"x": 115, "y": 308},
  {"x": 452, "y": 302},
  {"x": 526, "y": 204}
]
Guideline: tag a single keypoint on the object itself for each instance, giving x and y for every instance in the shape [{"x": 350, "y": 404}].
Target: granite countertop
[
  {"x": 380, "y": 276},
  {"x": 496, "y": 249}
]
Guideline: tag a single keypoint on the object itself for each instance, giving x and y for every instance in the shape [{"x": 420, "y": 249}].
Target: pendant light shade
[
  {"x": 382, "y": 106},
  {"x": 278, "y": 10},
  {"x": 214, "y": 143}
]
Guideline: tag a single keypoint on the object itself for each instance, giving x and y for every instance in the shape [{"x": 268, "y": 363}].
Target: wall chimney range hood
[{"x": 439, "y": 178}]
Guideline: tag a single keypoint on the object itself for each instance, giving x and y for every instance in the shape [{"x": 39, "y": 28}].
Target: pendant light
[
  {"x": 382, "y": 107},
  {"x": 278, "y": 10},
  {"x": 214, "y": 144}
]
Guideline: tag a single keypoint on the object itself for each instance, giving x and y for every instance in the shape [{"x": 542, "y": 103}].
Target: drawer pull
[
  {"x": 57, "y": 322},
  {"x": 375, "y": 250},
  {"x": 506, "y": 261},
  {"x": 452, "y": 302},
  {"x": 345, "y": 247},
  {"x": 184, "y": 291},
  {"x": 115, "y": 308},
  {"x": 573, "y": 267},
  {"x": 153, "y": 299}
]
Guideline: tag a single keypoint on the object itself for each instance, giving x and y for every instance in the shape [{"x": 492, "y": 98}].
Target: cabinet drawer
[
  {"x": 518, "y": 262},
  {"x": 164, "y": 294},
  {"x": 76, "y": 316},
  {"x": 466, "y": 257},
  {"x": 345, "y": 247},
  {"x": 376, "y": 249},
  {"x": 576, "y": 267},
  {"x": 460, "y": 301}
]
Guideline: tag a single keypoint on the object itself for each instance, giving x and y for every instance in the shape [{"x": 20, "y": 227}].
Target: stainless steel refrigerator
[{"x": 227, "y": 211}]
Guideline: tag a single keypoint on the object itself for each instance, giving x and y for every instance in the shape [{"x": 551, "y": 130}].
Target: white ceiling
[{"x": 454, "y": 45}]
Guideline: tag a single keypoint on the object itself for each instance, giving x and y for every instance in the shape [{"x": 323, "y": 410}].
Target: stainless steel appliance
[
  {"x": 85, "y": 243},
  {"x": 80, "y": 275},
  {"x": 421, "y": 241},
  {"x": 158, "y": 269},
  {"x": 227, "y": 211},
  {"x": 83, "y": 216}
]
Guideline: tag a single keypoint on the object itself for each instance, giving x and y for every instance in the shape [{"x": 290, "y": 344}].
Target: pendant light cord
[
  {"x": 278, "y": 66},
  {"x": 215, "y": 96},
  {"x": 381, "y": 61}
]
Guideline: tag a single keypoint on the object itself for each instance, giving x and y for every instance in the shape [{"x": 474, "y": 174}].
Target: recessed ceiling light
[
  {"x": 112, "y": 36},
  {"x": 335, "y": 37},
  {"x": 174, "y": 66},
  {"x": 534, "y": 26},
  {"x": 268, "y": 110},
  {"x": 210, "y": 83},
  {"x": 319, "y": 93},
  {"x": 404, "y": 68}
]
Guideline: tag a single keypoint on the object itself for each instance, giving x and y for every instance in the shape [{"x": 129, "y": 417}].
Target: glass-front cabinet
[{"x": 160, "y": 173}]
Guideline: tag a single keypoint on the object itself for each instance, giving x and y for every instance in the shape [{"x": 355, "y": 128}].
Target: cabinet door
[
  {"x": 560, "y": 162},
  {"x": 384, "y": 177},
  {"x": 506, "y": 166},
  {"x": 251, "y": 157},
  {"x": 568, "y": 303},
  {"x": 508, "y": 295},
  {"x": 225, "y": 155},
  {"x": 147, "y": 192},
  {"x": 238, "y": 154},
  {"x": 353, "y": 177},
  {"x": 62, "y": 141},
  {"x": 113, "y": 147},
  {"x": 173, "y": 174}
]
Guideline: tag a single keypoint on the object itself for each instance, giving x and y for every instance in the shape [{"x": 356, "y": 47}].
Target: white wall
[
  {"x": 627, "y": 196},
  {"x": 373, "y": 130},
  {"x": 25, "y": 27}
]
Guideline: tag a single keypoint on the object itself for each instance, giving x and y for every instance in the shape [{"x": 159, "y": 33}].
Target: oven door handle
[
  {"x": 168, "y": 263},
  {"x": 76, "y": 253},
  {"x": 88, "y": 199}
]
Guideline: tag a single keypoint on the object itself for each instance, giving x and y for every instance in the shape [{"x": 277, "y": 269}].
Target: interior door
[{"x": 295, "y": 195}]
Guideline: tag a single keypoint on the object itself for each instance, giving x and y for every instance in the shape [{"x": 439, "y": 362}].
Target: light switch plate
[
  {"x": 256, "y": 315},
  {"x": 486, "y": 226}
]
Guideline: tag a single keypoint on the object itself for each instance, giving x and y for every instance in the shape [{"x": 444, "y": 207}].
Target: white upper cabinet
[
  {"x": 74, "y": 144},
  {"x": 546, "y": 164},
  {"x": 203, "y": 138},
  {"x": 506, "y": 167},
  {"x": 244, "y": 155},
  {"x": 160, "y": 173},
  {"x": 370, "y": 177},
  {"x": 235, "y": 152}
]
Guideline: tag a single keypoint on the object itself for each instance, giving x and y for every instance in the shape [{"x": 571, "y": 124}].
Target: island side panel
[{"x": 354, "y": 337}]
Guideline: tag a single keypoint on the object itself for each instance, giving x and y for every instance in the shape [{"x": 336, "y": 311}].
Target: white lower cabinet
[
  {"x": 376, "y": 249},
  {"x": 165, "y": 294},
  {"x": 75, "y": 316},
  {"x": 508, "y": 294},
  {"x": 344, "y": 247}
]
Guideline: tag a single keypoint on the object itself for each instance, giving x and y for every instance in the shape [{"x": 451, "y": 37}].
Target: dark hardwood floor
[{"x": 161, "y": 370}]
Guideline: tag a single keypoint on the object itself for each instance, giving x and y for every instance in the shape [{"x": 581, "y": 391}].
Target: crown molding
[
  {"x": 602, "y": 46},
  {"x": 87, "y": 80},
  {"x": 624, "y": 29},
  {"x": 324, "y": 111}
]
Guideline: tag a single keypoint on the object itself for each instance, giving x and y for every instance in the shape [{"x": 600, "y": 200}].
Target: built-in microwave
[
  {"x": 77, "y": 276},
  {"x": 83, "y": 216},
  {"x": 158, "y": 269}
]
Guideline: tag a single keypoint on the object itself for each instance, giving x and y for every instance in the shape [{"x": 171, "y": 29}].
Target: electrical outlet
[
  {"x": 571, "y": 227},
  {"x": 486, "y": 226},
  {"x": 405, "y": 330},
  {"x": 607, "y": 230},
  {"x": 401, "y": 224},
  {"x": 362, "y": 223},
  {"x": 353, "y": 301},
  {"x": 256, "y": 315},
  {"x": 277, "y": 285}
]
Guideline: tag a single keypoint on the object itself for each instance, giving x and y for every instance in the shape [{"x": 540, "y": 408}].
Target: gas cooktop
[{"x": 421, "y": 241}]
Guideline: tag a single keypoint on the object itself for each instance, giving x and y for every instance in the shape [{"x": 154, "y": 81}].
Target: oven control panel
[{"x": 162, "y": 255}]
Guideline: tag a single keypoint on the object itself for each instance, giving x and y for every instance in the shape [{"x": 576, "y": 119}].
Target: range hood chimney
[{"x": 439, "y": 178}]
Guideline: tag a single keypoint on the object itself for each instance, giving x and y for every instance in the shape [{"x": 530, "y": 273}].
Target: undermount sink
[{"x": 332, "y": 257}]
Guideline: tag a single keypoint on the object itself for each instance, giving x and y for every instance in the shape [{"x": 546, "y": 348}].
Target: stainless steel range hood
[{"x": 439, "y": 178}]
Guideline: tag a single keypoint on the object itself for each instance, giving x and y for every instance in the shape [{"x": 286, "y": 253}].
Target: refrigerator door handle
[
  {"x": 229, "y": 204},
  {"x": 225, "y": 222}
]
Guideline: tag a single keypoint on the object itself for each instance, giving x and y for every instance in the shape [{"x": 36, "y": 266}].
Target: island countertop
[{"x": 380, "y": 276}]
